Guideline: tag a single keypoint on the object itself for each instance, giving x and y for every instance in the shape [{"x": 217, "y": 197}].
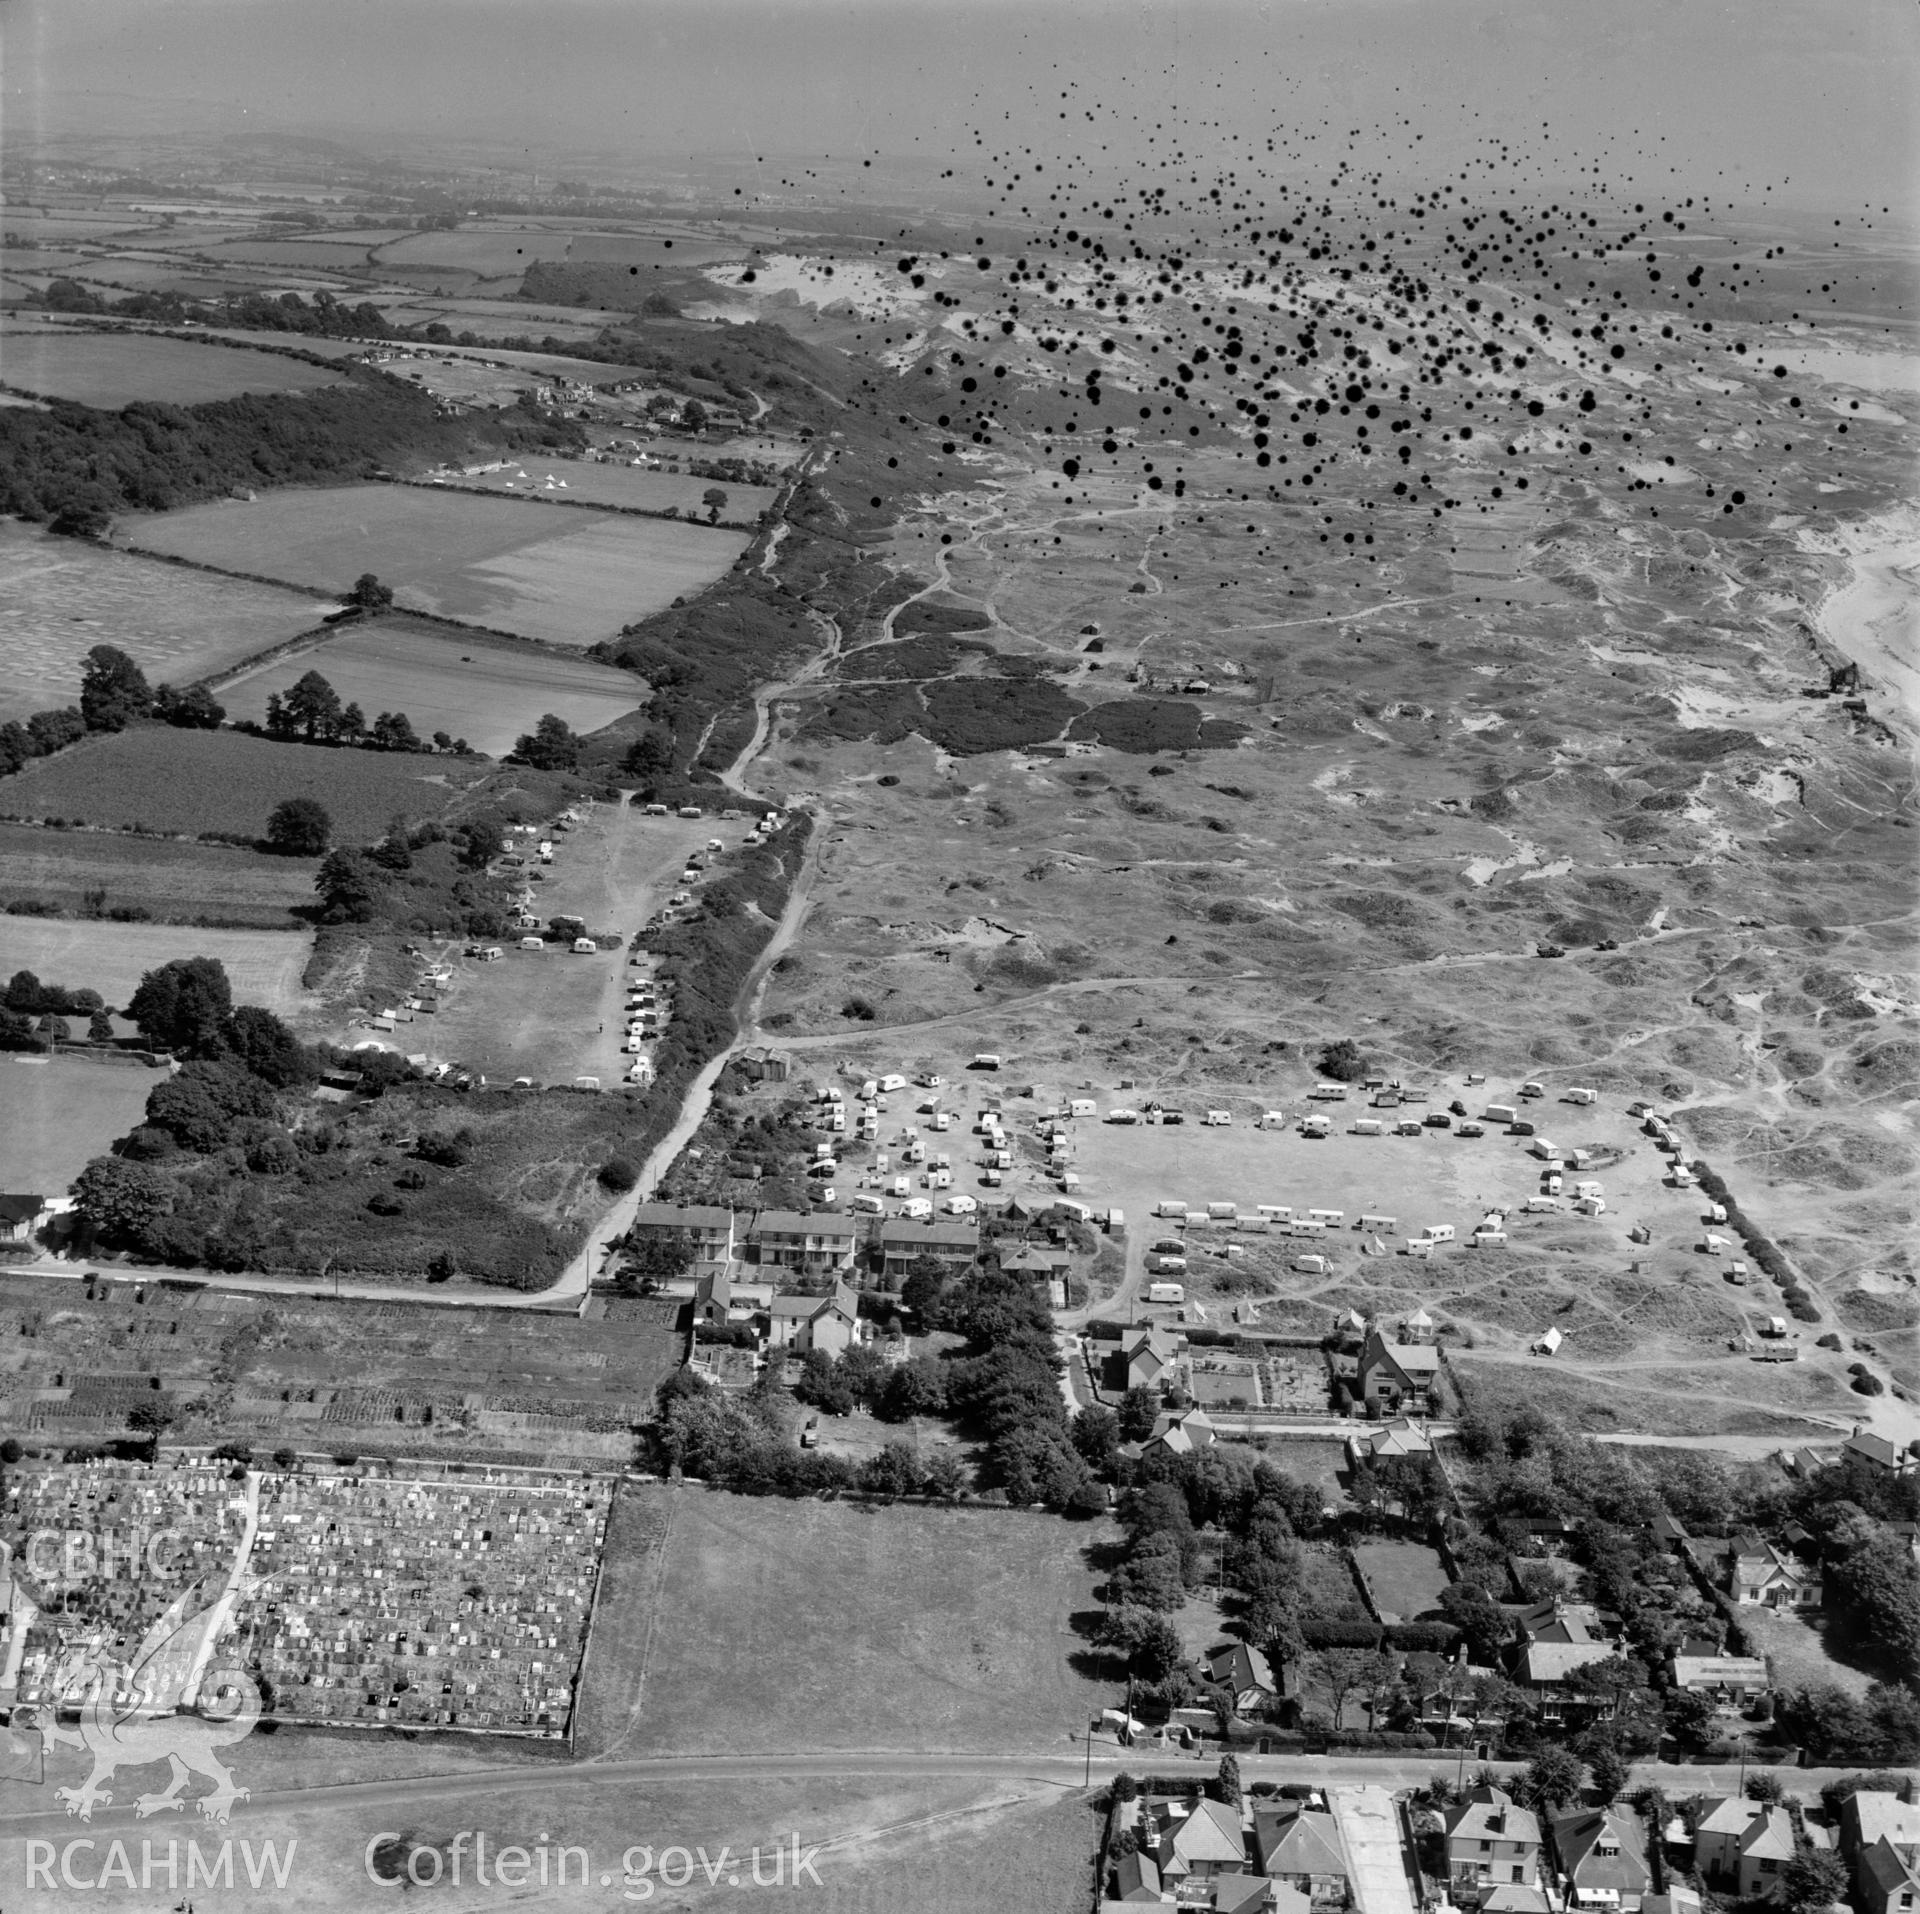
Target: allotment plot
[
  {"x": 568, "y": 577},
  {"x": 487, "y": 693}
]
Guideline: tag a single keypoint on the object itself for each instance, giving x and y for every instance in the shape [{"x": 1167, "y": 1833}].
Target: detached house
[
  {"x": 1492, "y": 1841},
  {"x": 1148, "y": 1353},
  {"x": 1243, "y": 1673},
  {"x": 1604, "y": 1859},
  {"x": 1301, "y": 1847},
  {"x": 1722, "y": 1678},
  {"x": 830, "y": 1323},
  {"x": 1398, "y": 1376},
  {"x": 1877, "y": 1450},
  {"x": 1742, "y": 1846},
  {"x": 1185, "y": 1432},
  {"x": 1190, "y": 1842},
  {"x": 1880, "y": 1840},
  {"x": 1764, "y": 1576}
]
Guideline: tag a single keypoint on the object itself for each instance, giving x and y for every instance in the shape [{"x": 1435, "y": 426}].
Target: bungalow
[
  {"x": 1037, "y": 1260},
  {"x": 1742, "y": 1846},
  {"x": 1603, "y": 1858},
  {"x": 1185, "y": 1432},
  {"x": 1489, "y": 1839},
  {"x": 1399, "y": 1438},
  {"x": 706, "y": 1226},
  {"x": 22, "y": 1216},
  {"x": 1763, "y": 1576},
  {"x": 1136, "y": 1879},
  {"x": 1398, "y": 1376},
  {"x": 791, "y": 1239},
  {"x": 1549, "y": 1667},
  {"x": 1243, "y": 1673},
  {"x": 831, "y": 1323},
  {"x": 1725, "y": 1678},
  {"x": 951, "y": 1242},
  {"x": 1301, "y": 1847}
]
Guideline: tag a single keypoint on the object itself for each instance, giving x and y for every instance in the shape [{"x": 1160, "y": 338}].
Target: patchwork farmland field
[
  {"x": 162, "y": 876},
  {"x": 110, "y": 370},
  {"x": 60, "y": 596},
  {"x": 485, "y": 693},
  {"x": 570, "y": 578},
  {"x": 193, "y": 781},
  {"x": 56, "y": 1115},
  {"x": 950, "y": 1629},
  {"x": 579, "y": 482},
  {"x": 264, "y": 966}
]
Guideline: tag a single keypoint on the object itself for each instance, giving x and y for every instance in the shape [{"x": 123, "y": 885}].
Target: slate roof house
[
  {"x": 830, "y": 1323},
  {"x": 1301, "y": 1847},
  {"x": 1741, "y": 1846},
  {"x": 1768, "y": 1577},
  {"x": 1399, "y": 1376},
  {"x": 1603, "y": 1857},
  {"x": 1880, "y": 1840},
  {"x": 1492, "y": 1840},
  {"x": 1243, "y": 1673}
]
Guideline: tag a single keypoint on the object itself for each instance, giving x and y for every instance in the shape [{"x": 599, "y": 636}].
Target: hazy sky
[{"x": 1815, "y": 98}]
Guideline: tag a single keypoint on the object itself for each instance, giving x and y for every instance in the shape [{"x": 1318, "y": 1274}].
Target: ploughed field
[
  {"x": 569, "y": 578},
  {"x": 111, "y": 370},
  {"x": 61, "y": 596},
  {"x": 469, "y": 687}
]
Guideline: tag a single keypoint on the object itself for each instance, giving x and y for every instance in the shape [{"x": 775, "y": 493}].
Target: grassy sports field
[
  {"x": 192, "y": 781},
  {"x": 571, "y": 578},
  {"x": 55, "y": 1116},
  {"x": 61, "y": 596},
  {"x": 110, "y": 370},
  {"x": 846, "y": 1626},
  {"x": 162, "y": 876},
  {"x": 264, "y": 965},
  {"x": 486, "y": 693}
]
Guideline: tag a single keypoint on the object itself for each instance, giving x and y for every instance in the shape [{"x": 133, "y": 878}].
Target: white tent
[{"x": 1549, "y": 1343}]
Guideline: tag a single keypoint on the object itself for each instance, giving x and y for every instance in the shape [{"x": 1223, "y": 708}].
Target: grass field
[
  {"x": 112, "y": 370},
  {"x": 577, "y": 482},
  {"x": 55, "y": 1116},
  {"x": 191, "y": 781},
  {"x": 264, "y": 965},
  {"x": 485, "y": 693},
  {"x": 164, "y": 877},
  {"x": 61, "y": 596},
  {"x": 572, "y": 578},
  {"x": 848, "y": 1626}
]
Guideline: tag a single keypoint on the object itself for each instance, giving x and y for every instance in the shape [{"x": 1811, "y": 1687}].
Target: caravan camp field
[
  {"x": 581, "y": 482},
  {"x": 112, "y": 369},
  {"x": 61, "y": 596},
  {"x": 485, "y": 692},
  {"x": 160, "y": 779},
  {"x": 569, "y": 578}
]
